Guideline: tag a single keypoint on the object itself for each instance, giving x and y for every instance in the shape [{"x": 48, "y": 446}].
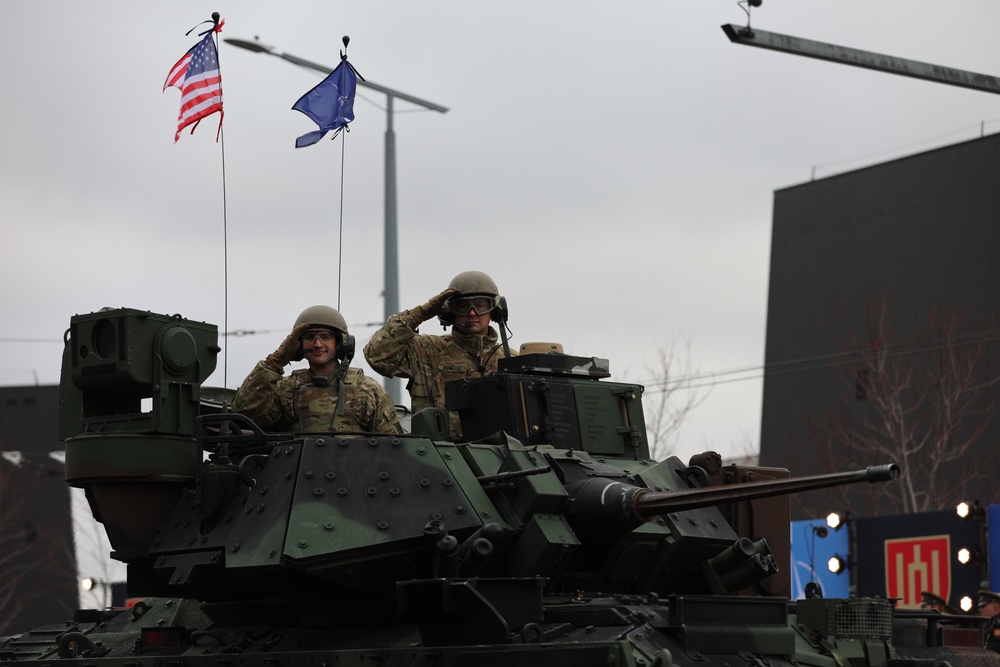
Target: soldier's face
[
  {"x": 319, "y": 346},
  {"x": 989, "y": 609},
  {"x": 471, "y": 323}
]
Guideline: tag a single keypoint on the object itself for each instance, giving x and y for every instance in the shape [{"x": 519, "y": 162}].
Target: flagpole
[
  {"x": 340, "y": 241},
  {"x": 391, "y": 286},
  {"x": 393, "y": 386},
  {"x": 225, "y": 238},
  {"x": 198, "y": 75}
]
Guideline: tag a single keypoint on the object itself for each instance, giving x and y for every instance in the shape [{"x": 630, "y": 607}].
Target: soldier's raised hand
[
  {"x": 437, "y": 302},
  {"x": 434, "y": 305},
  {"x": 289, "y": 349}
]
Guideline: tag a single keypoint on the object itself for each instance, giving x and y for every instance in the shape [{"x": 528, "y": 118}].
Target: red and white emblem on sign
[{"x": 916, "y": 564}]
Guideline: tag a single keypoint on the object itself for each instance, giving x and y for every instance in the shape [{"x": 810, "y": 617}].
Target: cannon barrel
[{"x": 651, "y": 504}]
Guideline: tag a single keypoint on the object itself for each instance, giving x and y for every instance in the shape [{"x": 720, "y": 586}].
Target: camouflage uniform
[
  {"x": 298, "y": 403},
  {"x": 429, "y": 361}
]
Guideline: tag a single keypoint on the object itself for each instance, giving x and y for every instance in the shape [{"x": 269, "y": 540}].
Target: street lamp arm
[
  {"x": 250, "y": 45},
  {"x": 258, "y": 47}
]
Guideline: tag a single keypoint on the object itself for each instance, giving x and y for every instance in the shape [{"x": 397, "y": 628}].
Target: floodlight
[
  {"x": 967, "y": 556},
  {"x": 970, "y": 511},
  {"x": 836, "y": 564}
]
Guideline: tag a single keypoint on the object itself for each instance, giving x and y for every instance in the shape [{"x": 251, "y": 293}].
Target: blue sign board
[
  {"x": 993, "y": 517},
  {"x": 810, "y": 554}
]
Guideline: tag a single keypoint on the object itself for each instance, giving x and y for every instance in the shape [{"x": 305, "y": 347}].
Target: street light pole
[
  {"x": 391, "y": 289},
  {"x": 391, "y": 265}
]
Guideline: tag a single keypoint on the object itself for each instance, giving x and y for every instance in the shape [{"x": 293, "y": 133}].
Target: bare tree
[
  {"x": 670, "y": 399},
  {"x": 923, "y": 400}
]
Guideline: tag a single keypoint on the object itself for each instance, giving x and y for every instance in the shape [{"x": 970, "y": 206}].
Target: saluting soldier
[
  {"x": 327, "y": 397},
  {"x": 470, "y": 350}
]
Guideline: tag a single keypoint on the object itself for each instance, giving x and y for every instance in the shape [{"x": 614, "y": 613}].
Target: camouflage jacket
[
  {"x": 300, "y": 403},
  {"x": 397, "y": 350}
]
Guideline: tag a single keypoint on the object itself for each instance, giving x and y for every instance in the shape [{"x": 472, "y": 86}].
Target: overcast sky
[{"x": 612, "y": 165}]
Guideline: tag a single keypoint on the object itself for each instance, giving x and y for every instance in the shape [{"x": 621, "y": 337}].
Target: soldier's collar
[{"x": 473, "y": 341}]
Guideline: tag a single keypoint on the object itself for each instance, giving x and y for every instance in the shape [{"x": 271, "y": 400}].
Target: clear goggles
[
  {"x": 479, "y": 304},
  {"x": 310, "y": 336}
]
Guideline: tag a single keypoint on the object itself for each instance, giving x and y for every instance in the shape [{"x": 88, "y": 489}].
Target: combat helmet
[
  {"x": 325, "y": 316},
  {"x": 470, "y": 284}
]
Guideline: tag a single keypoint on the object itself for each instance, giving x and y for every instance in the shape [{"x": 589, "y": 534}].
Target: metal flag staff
[
  {"x": 198, "y": 76},
  {"x": 330, "y": 104}
]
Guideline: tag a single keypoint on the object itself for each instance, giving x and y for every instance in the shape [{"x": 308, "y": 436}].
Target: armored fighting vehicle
[{"x": 549, "y": 537}]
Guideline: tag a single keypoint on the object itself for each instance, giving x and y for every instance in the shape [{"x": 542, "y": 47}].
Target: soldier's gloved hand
[
  {"x": 433, "y": 307},
  {"x": 288, "y": 350}
]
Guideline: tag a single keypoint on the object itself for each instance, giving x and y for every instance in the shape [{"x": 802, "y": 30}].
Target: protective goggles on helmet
[{"x": 479, "y": 304}]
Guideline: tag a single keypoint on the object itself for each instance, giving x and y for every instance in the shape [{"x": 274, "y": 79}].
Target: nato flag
[{"x": 330, "y": 104}]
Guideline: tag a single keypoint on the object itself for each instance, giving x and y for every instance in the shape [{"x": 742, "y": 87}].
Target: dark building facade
[
  {"x": 37, "y": 560},
  {"x": 883, "y": 280}
]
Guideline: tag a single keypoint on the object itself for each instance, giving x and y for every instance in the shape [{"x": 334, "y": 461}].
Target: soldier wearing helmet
[
  {"x": 470, "y": 350},
  {"x": 328, "y": 396}
]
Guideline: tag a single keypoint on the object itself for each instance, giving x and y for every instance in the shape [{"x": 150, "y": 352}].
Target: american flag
[{"x": 197, "y": 76}]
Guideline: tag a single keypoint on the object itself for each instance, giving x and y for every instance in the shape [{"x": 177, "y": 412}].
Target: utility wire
[
  {"x": 236, "y": 333},
  {"x": 817, "y": 362},
  {"x": 829, "y": 166},
  {"x": 701, "y": 380}
]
